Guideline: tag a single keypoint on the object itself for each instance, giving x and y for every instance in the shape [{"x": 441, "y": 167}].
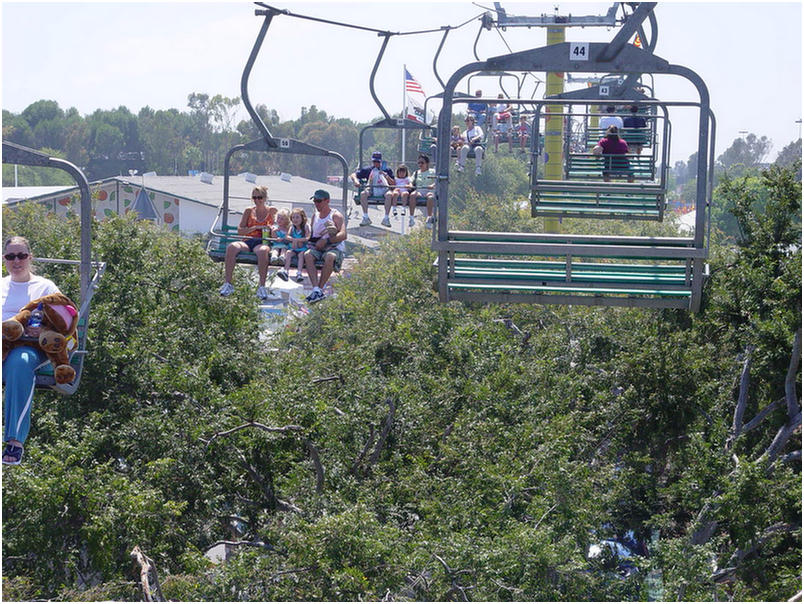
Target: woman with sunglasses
[
  {"x": 254, "y": 222},
  {"x": 17, "y": 288}
]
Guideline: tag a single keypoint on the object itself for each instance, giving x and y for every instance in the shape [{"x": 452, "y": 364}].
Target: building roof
[
  {"x": 297, "y": 190},
  {"x": 15, "y": 194}
]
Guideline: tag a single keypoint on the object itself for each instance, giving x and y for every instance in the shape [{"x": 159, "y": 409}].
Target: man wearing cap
[
  {"x": 379, "y": 181},
  {"x": 326, "y": 244}
]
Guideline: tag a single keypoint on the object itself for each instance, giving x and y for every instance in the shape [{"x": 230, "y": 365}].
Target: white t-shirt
[
  {"x": 471, "y": 133},
  {"x": 610, "y": 120},
  {"x": 16, "y": 294}
]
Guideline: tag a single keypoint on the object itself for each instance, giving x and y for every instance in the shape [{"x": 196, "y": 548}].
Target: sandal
[{"x": 15, "y": 453}]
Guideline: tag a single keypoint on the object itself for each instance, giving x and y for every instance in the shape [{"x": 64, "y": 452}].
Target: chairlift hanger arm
[
  {"x": 18, "y": 154},
  {"x": 629, "y": 28},
  {"x": 269, "y": 15}
]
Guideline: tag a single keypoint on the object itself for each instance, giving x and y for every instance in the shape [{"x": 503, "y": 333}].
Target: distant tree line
[{"x": 171, "y": 141}]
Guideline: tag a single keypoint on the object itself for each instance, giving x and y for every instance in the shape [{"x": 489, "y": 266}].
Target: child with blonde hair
[
  {"x": 299, "y": 234},
  {"x": 279, "y": 232}
]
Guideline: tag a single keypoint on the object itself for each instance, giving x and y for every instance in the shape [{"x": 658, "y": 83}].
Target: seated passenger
[
  {"x": 281, "y": 232},
  {"x": 502, "y": 124},
  {"x": 456, "y": 140},
  {"x": 17, "y": 289},
  {"x": 379, "y": 181},
  {"x": 326, "y": 244},
  {"x": 610, "y": 120},
  {"x": 636, "y": 121},
  {"x": 477, "y": 109},
  {"x": 257, "y": 219},
  {"x": 424, "y": 181},
  {"x": 613, "y": 149},
  {"x": 299, "y": 234},
  {"x": 401, "y": 188},
  {"x": 501, "y": 112},
  {"x": 474, "y": 141},
  {"x": 523, "y": 132}
]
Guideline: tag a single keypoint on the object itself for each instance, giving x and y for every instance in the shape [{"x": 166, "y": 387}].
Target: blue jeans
[{"x": 18, "y": 371}]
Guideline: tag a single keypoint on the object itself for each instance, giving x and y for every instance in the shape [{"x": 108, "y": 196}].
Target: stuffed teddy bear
[{"x": 59, "y": 322}]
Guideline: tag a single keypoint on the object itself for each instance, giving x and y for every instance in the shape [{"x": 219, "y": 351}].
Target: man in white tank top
[{"x": 327, "y": 244}]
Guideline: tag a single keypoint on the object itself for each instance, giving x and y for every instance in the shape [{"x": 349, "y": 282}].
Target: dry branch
[
  {"x": 263, "y": 427},
  {"x": 389, "y": 422},
  {"x": 319, "y": 469},
  {"x": 790, "y": 380},
  {"x": 742, "y": 399},
  {"x": 147, "y": 570},
  {"x": 329, "y": 378}
]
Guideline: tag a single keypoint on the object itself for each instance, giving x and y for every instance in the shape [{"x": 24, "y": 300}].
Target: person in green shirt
[{"x": 423, "y": 181}]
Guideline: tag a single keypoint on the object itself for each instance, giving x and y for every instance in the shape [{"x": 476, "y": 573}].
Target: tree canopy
[{"x": 388, "y": 447}]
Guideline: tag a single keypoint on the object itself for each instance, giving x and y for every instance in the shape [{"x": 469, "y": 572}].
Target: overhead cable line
[{"x": 381, "y": 32}]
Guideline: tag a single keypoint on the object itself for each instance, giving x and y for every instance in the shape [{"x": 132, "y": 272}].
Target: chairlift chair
[
  {"x": 221, "y": 233},
  {"x": 90, "y": 272},
  {"x": 607, "y": 270}
]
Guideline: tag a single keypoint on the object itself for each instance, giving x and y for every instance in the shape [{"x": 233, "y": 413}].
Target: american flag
[
  {"x": 411, "y": 85},
  {"x": 414, "y": 99}
]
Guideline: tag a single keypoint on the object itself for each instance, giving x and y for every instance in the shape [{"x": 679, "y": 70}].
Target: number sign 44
[{"x": 579, "y": 51}]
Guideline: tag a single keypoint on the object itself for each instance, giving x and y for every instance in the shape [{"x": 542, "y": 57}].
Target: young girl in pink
[{"x": 299, "y": 234}]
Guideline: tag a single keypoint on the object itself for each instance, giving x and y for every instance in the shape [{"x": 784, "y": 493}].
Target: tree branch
[
  {"x": 147, "y": 569},
  {"x": 366, "y": 447},
  {"x": 319, "y": 469},
  {"x": 251, "y": 424},
  {"x": 782, "y": 436},
  {"x": 790, "y": 381},
  {"x": 757, "y": 419},
  {"x": 389, "y": 422},
  {"x": 742, "y": 399},
  {"x": 725, "y": 574}
]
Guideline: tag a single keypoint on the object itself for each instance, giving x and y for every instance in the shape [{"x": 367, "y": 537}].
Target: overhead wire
[{"x": 381, "y": 32}]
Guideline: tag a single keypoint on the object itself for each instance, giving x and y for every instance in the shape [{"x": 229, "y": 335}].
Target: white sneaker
[
  {"x": 386, "y": 222},
  {"x": 460, "y": 168},
  {"x": 411, "y": 221},
  {"x": 262, "y": 293},
  {"x": 366, "y": 221},
  {"x": 226, "y": 289},
  {"x": 477, "y": 171},
  {"x": 429, "y": 222},
  {"x": 282, "y": 274}
]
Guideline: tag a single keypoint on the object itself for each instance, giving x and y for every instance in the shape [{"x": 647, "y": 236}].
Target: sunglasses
[
  {"x": 18, "y": 256},
  {"x": 257, "y": 197}
]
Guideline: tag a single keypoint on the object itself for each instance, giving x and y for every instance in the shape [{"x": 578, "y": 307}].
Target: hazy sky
[{"x": 106, "y": 54}]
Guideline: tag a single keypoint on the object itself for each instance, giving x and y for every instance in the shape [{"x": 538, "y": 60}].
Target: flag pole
[{"x": 404, "y": 108}]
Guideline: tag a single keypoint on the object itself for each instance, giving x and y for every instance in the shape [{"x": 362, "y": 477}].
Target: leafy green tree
[
  {"x": 41, "y": 111},
  {"x": 744, "y": 154}
]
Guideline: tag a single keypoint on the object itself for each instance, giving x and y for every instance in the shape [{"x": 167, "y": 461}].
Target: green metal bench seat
[
  {"x": 216, "y": 248},
  {"x": 588, "y": 166},
  {"x": 570, "y": 269},
  {"x": 632, "y": 136},
  {"x": 375, "y": 200},
  {"x": 596, "y": 200}
]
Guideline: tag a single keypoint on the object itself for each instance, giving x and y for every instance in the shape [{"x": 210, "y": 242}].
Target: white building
[{"x": 184, "y": 204}]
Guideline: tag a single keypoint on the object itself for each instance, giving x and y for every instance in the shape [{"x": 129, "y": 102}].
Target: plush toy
[{"x": 59, "y": 322}]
